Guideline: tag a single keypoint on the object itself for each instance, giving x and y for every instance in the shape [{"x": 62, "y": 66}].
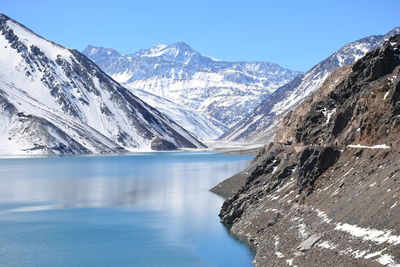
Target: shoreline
[
  {"x": 224, "y": 148},
  {"x": 287, "y": 225}
]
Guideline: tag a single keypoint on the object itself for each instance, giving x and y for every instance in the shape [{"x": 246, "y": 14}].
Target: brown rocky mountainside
[{"x": 327, "y": 191}]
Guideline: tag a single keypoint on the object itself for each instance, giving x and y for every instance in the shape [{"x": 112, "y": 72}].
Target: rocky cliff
[{"x": 326, "y": 192}]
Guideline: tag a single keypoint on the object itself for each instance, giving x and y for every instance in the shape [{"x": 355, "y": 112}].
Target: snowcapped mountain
[
  {"x": 260, "y": 125},
  {"x": 200, "y": 126},
  {"x": 225, "y": 91},
  {"x": 55, "y": 100}
]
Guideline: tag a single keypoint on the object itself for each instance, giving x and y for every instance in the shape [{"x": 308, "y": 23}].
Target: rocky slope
[
  {"x": 55, "y": 100},
  {"x": 225, "y": 91},
  {"x": 260, "y": 125},
  {"x": 201, "y": 126},
  {"x": 326, "y": 192}
]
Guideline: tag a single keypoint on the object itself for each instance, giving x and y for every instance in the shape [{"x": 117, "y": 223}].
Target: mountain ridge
[
  {"x": 260, "y": 125},
  {"x": 65, "y": 104},
  {"x": 223, "y": 90}
]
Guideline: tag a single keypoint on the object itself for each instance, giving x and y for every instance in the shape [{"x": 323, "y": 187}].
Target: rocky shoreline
[{"x": 326, "y": 192}]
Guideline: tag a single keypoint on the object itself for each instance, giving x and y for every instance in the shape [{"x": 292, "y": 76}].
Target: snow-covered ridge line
[
  {"x": 55, "y": 100},
  {"x": 224, "y": 91},
  {"x": 252, "y": 128}
]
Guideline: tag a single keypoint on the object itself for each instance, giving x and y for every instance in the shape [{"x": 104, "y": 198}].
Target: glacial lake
[{"x": 149, "y": 209}]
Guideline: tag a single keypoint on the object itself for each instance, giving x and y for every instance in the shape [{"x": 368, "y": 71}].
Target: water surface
[{"x": 149, "y": 209}]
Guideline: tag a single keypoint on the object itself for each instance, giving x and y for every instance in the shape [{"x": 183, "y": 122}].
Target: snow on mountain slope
[
  {"x": 200, "y": 126},
  {"x": 260, "y": 125},
  {"x": 225, "y": 91},
  {"x": 55, "y": 100}
]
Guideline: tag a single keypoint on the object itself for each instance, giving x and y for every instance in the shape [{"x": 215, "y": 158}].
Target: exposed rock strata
[{"x": 326, "y": 193}]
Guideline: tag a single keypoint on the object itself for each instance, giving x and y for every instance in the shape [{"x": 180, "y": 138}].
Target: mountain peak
[
  {"x": 100, "y": 51},
  {"x": 181, "y": 46},
  {"x": 180, "y": 52},
  {"x": 394, "y": 31},
  {"x": 222, "y": 90},
  {"x": 158, "y": 47},
  {"x": 57, "y": 101}
]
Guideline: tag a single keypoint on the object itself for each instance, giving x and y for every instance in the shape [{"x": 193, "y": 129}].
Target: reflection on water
[{"x": 164, "y": 195}]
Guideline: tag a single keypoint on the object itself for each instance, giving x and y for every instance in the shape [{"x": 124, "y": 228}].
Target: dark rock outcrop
[
  {"x": 314, "y": 162},
  {"x": 161, "y": 144},
  {"x": 326, "y": 192}
]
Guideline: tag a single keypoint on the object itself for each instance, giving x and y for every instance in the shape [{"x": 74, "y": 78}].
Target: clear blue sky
[{"x": 294, "y": 34}]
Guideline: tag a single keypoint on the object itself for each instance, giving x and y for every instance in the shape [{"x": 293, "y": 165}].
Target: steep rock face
[
  {"x": 226, "y": 91},
  {"x": 260, "y": 125},
  {"x": 364, "y": 95},
  {"x": 326, "y": 192},
  {"x": 55, "y": 100}
]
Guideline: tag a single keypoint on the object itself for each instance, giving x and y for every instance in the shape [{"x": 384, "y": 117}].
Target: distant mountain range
[
  {"x": 260, "y": 125},
  {"x": 55, "y": 100},
  {"x": 248, "y": 99},
  {"x": 224, "y": 91}
]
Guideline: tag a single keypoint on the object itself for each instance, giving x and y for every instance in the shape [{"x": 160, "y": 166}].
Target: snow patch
[
  {"x": 383, "y": 146},
  {"x": 378, "y": 236}
]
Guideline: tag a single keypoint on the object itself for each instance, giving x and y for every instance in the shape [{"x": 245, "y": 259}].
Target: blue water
[{"x": 133, "y": 210}]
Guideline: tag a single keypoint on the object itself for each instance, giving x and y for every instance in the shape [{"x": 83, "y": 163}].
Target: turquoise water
[{"x": 133, "y": 210}]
